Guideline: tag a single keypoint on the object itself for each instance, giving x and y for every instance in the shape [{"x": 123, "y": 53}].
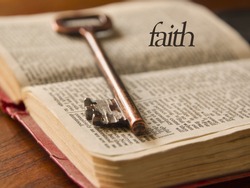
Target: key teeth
[
  {"x": 88, "y": 114},
  {"x": 97, "y": 119},
  {"x": 88, "y": 102},
  {"x": 113, "y": 106},
  {"x": 103, "y": 112}
]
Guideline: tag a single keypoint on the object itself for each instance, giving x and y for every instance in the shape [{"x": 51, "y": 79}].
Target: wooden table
[{"x": 23, "y": 163}]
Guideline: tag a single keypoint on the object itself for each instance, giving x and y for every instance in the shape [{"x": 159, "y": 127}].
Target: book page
[
  {"x": 38, "y": 55},
  {"x": 177, "y": 104}
]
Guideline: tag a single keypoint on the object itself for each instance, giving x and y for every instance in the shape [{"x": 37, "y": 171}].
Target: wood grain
[{"x": 23, "y": 163}]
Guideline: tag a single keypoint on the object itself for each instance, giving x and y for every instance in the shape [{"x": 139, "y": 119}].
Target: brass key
[{"x": 110, "y": 111}]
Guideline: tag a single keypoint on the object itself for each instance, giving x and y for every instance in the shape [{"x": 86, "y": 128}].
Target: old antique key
[{"x": 121, "y": 109}]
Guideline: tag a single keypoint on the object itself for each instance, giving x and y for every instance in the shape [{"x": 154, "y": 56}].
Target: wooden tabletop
[{"x": 23, "y": 163}]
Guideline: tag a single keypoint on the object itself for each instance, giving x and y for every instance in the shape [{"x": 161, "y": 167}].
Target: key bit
[{"x": 103, "y": 112}]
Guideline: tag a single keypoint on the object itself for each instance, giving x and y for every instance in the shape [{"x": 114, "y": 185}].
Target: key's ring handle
[{"x": 60, "y": 23}]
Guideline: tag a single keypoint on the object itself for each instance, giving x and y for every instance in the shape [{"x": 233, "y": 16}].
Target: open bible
[{"x": 195, "y": 100}]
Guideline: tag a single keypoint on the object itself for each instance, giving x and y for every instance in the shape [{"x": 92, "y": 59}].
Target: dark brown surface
[
  {"x": 23, "y": 163},
  {"x": 218, "y": 5},
  {"x": 10, "y": 7}
]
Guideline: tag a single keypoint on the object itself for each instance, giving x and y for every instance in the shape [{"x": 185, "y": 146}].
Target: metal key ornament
[
  {"x": 121, "y": 109},
  {"x": 103, "y": 112}
]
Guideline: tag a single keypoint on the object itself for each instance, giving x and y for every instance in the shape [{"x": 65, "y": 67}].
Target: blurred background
[
  {"x": 234, "y": 12},
  {"x": 11, "y": 7}
]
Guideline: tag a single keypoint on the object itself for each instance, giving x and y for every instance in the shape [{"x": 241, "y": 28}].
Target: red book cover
[{"x": 19, "y": 113}]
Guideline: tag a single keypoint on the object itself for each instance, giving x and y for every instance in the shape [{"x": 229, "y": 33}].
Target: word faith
[{"x": 173, "y": 38}]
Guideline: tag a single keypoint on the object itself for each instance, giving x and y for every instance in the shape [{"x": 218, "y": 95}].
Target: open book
[{"x": 195, "y": 100}]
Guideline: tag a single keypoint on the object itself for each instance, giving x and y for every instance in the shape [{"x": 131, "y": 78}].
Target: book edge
[{"x": 19, "y": 113}]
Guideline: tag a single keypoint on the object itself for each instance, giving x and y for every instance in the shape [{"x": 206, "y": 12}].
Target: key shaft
[{"x": 129, "y": 109}]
